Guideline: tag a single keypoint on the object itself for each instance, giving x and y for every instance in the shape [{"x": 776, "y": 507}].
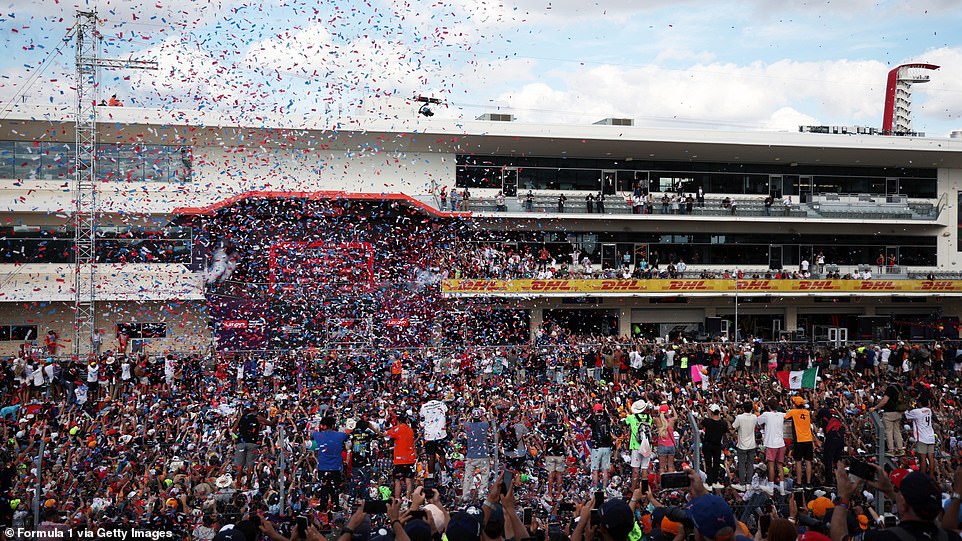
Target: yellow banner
[{"x": 661, "y": 287}]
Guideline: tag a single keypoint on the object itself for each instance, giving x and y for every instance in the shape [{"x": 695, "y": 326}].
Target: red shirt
[{"x": 403, "y": 438}]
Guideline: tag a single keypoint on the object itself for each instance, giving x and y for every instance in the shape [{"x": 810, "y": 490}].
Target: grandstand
[{"x": 290, "y": 234}]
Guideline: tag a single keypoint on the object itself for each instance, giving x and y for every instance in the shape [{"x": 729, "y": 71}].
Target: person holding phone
[
  {"x": 555, "y": 437},
  {"x": 746, "y": 446},
  {"x": 434, "y": 424}
]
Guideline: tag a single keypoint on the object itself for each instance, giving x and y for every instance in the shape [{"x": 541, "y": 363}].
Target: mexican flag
[{"x": 798, "y": 379}]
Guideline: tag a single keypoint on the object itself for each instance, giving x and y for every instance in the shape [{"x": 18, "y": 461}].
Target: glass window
[
  {"x": 4, "y": 333},
  {"x": 131, "y": 164},
  {"x": 22, "y": 333},
  {"x": 7, "y": 160},
  {"x": 756, "y": 184},
  {"x": 57, "y": 161},
  {"x": 108, "y": 157},
  {"x": 27, "y": 160}
]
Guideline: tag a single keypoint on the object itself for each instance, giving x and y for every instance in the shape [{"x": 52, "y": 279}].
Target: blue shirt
[
  {"x": 477, "y": 436},
  {"x": 330, "y": 445}
]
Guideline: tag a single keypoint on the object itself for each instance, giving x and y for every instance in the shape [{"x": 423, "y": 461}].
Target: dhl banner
[{"x": 672, "y": 287}]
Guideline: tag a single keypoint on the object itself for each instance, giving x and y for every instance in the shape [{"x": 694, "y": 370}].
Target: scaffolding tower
[{"x": 86, "y": 214}]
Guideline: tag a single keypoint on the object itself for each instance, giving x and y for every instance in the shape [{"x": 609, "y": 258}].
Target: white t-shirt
[
  {"x": 773, "y": 423},
  {"x": 922, "y": 424},
  {"x": 886, "y": 353},
  {"x": 745, "y": 424},
  {"x": 670, "y": 357},
  {"x": 93, "y": 373},
  {"x": 125, "y": 371},
  {"x": 433, "y": 420}
]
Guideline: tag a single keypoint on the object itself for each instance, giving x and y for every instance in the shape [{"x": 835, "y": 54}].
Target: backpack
[{"x": 904, "y": 402}]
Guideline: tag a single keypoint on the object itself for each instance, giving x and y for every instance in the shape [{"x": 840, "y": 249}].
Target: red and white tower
[{"x": 898, "y": 97}]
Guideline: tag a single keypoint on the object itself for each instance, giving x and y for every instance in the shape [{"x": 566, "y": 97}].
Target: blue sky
[{"x": 755, "y": 64}]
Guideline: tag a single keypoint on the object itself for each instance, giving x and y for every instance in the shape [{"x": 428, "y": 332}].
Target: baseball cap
[
  {"x": 617, "y": 518},
  {"x": 711, "y": 514},
  {"x": 922, "y": 494},
  {"x": 812, "y": 535},
  {"x": 464, "y": 526},
  {"x": 820, "y": 505},
  {"x": 714, "y": 408},
  {"x": 476, "y": 413},
  {"x": 418, "y": 530},
  {"x": 897, "y": 475},
  {"x": 598, "y": 407},
  {"x": 797, "y": 400}
]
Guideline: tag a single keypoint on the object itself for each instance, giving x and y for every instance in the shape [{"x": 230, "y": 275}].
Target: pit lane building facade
[{"x": 852, "y": 197}]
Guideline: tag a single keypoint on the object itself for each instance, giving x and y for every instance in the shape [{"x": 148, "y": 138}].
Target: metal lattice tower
[{"x": 88, "y": 64}]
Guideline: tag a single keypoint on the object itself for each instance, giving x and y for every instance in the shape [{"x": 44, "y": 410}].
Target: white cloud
[{"x": 756, "y": 95}]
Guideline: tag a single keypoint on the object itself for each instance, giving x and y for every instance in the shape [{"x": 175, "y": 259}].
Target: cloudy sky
[{"x": 753, "y": 64}]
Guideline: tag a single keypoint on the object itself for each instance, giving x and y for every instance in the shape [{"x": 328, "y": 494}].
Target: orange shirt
[
  {"x": 802, "y": 420},
  {"x": 403, "y": 438}
]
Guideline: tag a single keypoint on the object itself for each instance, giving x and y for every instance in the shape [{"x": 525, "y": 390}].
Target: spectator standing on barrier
[
  {"x": 831, "y": 421},
  {"x": 746, "y": 446},
  {"x": 715, "y": 429},
  {"x": 330, "y": 445},
  {"x": 803, "y": 448},
  {"x": 921, "y": 418},
  {"x": 434, "y": 425},
  {"x": 404, "y": 456},
  {"x": 892, "y": 404},
  {"x": 477, "y": 456},
  {"x": 601, "y": 444},
  {"x": 664, "y": 424},
  {"x": 499, "y": 202},
  {"x": 555, "y": 438},
  {"x": 362, "y": 457},
  {"x": 639, "y": 440},
  {"x": 247, "y": 434},
  {"x": 773, "y": 436}
]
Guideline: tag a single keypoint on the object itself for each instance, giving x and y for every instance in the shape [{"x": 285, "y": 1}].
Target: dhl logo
[
  {"x": 755, "y": 285},
  {"x": 817, "y": 285},
  {"x": 480, "y": 285},
  {"x": 622, "y": 285},
  {"x": 877, "y": 286},
  {"x": 687, "y": 285},
  {"x": 938, "y": 286},
  {"x": 550, "y": 285}
]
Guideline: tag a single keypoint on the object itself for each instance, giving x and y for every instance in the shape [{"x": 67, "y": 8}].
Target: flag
[{"x": 798, "y": 379}]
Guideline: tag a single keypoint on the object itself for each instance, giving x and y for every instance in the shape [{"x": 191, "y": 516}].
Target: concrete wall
[
  {"x": 950, "y": 183},
  {"x": 186, "y": 323},
  {"x": 222, "y": 172}
]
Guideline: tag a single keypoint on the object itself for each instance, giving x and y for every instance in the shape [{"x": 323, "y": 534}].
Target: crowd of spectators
[{"x": 193, "y": 445}]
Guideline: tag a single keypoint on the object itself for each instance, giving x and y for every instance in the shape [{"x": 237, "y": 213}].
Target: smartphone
[
  {"x": 595, "y": 517},
  {"x": 526, "y": 515},
  {"x": 599, "y": 499},
  {"x": 764, "y": 522},
  {"x": 675, "y": 480},
  {"x": 644, "y": 486},
  {"x": 799, "y": 499},
  {"x": 301, "y": 525},
  {"x": 566, "y": 507},
  {"x": 506, "y": 480},
  {"x": 554, "y": 528},
  {"x": 429, "y": 484},
  {"x": 418, "y": 514},
  {"x": 862, "y": 470},
  {"x": 375, "y": 507},
  {"x": 891, "y": 521}
]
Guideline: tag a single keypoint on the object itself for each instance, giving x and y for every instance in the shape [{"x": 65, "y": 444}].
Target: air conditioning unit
[
  {"x": 496, "y": 117},
  {"x": 616, "y": 122}
]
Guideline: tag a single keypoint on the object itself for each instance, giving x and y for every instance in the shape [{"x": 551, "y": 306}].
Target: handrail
[
  {"x": 880, "y": 446},
  {"x": 941, "y": 204},
  {"x": 696, "y": 441}
]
